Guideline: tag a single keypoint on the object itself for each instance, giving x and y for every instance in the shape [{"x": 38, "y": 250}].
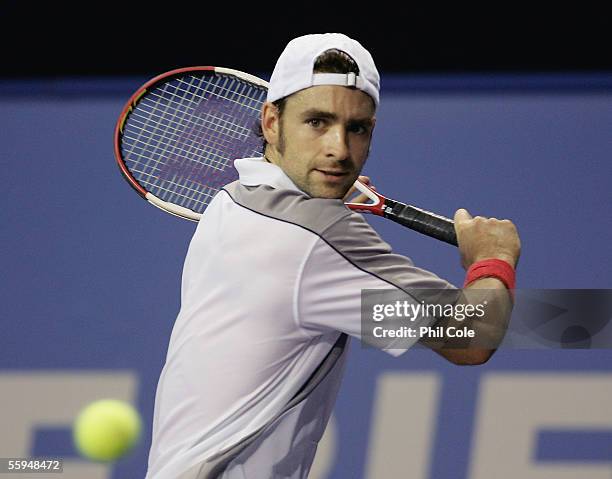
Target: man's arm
[{"x": 481, "y": 239}]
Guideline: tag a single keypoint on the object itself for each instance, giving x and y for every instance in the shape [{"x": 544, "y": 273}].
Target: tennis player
[{"x": 272, "y": 281}]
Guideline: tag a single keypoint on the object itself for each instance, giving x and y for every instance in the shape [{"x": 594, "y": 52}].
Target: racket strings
[
  {"x": 177, "y": 191},
  {"x": 240, "y": 97},
  {"x": 194, "y": 135},
  {"x": 191, "y": 192},
  {"x": 188, "y": 136},
  {"x": 180, "y": 140},
  {"x": 196, "y": 148},
  {"x": 147, "y": 152},
  {"x": 223, "y": 124}
]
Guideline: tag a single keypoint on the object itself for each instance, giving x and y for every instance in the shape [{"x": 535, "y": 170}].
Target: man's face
[{"x": 324, "y": 138}]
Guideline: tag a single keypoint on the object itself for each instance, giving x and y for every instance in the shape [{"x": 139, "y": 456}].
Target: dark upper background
[{"x": 113, "y": 38}]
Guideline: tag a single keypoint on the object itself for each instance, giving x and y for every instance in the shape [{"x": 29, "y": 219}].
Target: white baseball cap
[{"x": 293, "y": 70}]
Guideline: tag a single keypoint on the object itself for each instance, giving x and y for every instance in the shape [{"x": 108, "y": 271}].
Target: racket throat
[{"x": 390, "y": 208}]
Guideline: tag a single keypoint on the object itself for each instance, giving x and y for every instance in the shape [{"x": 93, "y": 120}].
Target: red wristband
[{"x": 496, "y": 268}]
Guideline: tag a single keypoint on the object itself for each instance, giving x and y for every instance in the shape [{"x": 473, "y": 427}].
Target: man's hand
[{"x": 484, "y": 238}]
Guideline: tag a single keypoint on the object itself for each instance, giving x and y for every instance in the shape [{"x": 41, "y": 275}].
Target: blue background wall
[{"x": 91, "y": 273}]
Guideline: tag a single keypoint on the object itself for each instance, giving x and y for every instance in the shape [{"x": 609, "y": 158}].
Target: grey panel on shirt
[{"x": 344, "y": 230}]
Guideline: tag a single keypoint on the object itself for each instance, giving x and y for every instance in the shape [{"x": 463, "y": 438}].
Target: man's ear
[{"x": 270, "y": 123}]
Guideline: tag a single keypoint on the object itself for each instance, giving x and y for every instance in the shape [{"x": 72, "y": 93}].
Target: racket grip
[{"x": 425, "y": 222}]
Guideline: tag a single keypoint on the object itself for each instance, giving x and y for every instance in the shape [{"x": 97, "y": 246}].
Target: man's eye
[
  {"x": 358, "y": 129},
  {"x": 315, "y": 122}
]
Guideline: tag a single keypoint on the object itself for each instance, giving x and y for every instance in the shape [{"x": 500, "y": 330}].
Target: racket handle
[{"x": 425, "y": 222}]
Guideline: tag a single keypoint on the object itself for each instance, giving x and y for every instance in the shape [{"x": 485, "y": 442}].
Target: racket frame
[
  {"x": 131, "y": 104},
  {"x": 377, "y": 207}
]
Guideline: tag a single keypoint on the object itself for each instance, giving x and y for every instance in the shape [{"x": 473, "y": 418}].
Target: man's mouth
[{"x": 333, "y": 175}]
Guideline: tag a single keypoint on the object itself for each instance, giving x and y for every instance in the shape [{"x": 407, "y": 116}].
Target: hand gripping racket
[{"x": 178, "y": 135}]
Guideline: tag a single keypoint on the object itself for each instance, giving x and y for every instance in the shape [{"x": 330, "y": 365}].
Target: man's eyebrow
[
  {"x": 362, "y": 121},
  {"x": 315, "y": 113}
]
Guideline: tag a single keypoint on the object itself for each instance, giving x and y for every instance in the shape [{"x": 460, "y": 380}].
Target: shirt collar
[{"x": 257, "y": 171}]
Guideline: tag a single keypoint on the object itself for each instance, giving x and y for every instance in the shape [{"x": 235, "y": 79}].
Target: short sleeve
[{"x": 350, "y": 257}]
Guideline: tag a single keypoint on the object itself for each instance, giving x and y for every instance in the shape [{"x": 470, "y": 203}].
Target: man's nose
[{"x": 336, "y": 143}]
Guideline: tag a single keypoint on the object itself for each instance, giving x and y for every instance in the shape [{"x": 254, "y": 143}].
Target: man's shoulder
[{"x": 290, "y": 206}]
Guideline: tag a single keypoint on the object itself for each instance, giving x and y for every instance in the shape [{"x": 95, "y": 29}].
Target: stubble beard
[{"x": 316, "y": 190}]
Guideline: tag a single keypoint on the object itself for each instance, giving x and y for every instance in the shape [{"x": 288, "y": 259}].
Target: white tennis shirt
[{"x": 271, "y": 280}]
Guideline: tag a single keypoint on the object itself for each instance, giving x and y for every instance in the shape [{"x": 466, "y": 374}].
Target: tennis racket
[{"x": 178, "y": 135}]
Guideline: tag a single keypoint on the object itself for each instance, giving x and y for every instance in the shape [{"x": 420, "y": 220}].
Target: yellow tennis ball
[{"x": 106, "y": 430}]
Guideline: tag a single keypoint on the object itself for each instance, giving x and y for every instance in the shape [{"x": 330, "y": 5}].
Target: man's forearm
[{"x": 488, "y": 329}]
